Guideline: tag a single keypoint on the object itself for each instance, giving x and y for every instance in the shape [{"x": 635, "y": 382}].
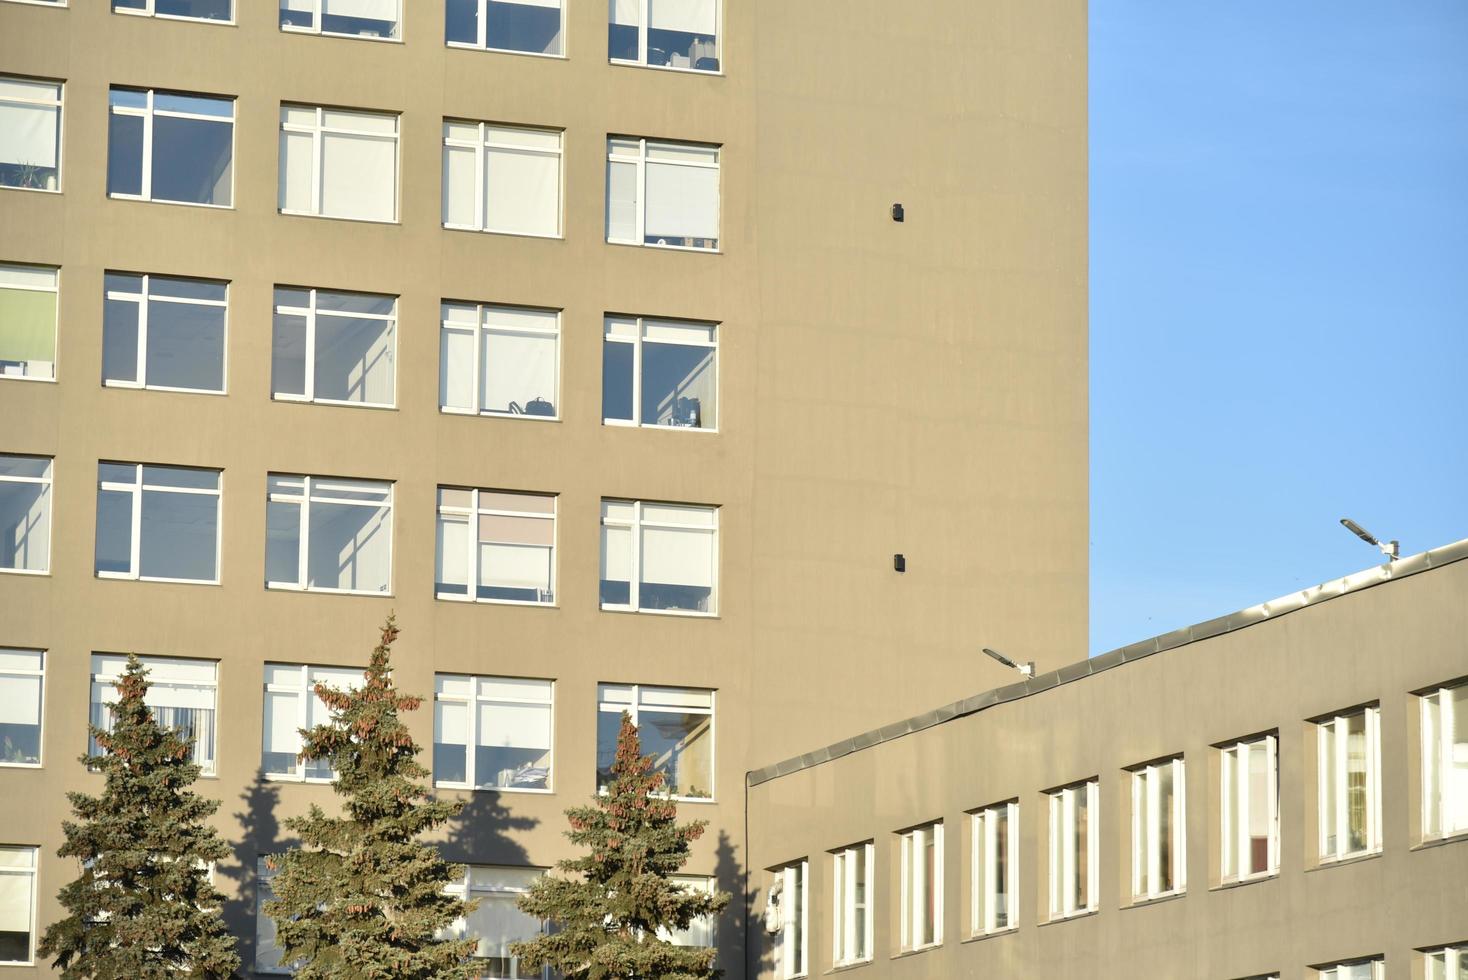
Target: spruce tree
[
  {"x": 364, "y": 898},
  {"x": 607, "y": 909},
  {"x": 143, "y": 906}
]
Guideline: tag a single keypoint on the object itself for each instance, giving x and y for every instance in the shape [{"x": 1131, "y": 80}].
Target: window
[
  {"x": 505, "y": 543},
  {"x": 373, "y": 19},
  {"x": 157, "y": 523},
  {"x": 1074, "y": 854},
  {"x": 664, "y": 194},
  {"x": 163, "y": 332},
  {"x": 182, "y": 9},
  {"x": 1448, "y": 963},
  {"x": 328, "y": 535},
  {"x": 22, "y": 673},
  {"x": 169, "y": 146},
  {"x": 787, "y": 918},
  {"x": 1159, "y": 830},
  {"x": 267, "y": 953},
  {"x": 1372, "y": 969},
  {"x": 334, "y": 348},
  {"x": 523, "y": 26},
  {"x": 180, "y": 692},
  {"x": 665, "y": 33},
  {"x": 660, "y": 373},
  {"x": 700, "y": 932},
  {"x": 506, "y": 721},
  {"x": 659, "y": 557},
  {"x": 851, "y": 889},
  {"x": 994, "y": 871},
  {"x": 28, "y": 321},
  {"x": 17, "y": 904},
  {"x": 504, "y": 179},
  {"x": 676, "y": 726},
  {"x": 1350, "y": 783},
  {"x": 1249, "y": 827},
  {"x": 921, "y": 908},
  {"x": 499, "y": 360},
  {"x": 30, "y": 133},
  {"x": 338, "y": 163},
  {"x": 1445, "y": 761},
  {"x": 498, "y": 921},
  {"x": 25, "y": 514},
  {"x": 291, "y": 704}
]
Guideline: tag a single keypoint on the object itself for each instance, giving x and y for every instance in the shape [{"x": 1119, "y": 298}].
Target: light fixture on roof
[
  {"x": 1389, "y": 548},
  {"x": 1026, "y": 669}
]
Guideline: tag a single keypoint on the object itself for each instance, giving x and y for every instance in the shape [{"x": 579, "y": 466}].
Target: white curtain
[
  {"x": 456, "y": 370},
  {"x": 15, "y": 902},
  {"x": 688, "y": 16},
  {"x": 359, "y": 177},
  {"x": 518, "y": 726},
  {"x": 458, "y": 186},
  {"x": 280, "y": 722},
  {"x": 674, "y": 557},
  {"x": 366, "y": 9},
  {"x": 518, "y": 368},
  {"x": 295, "y": 171},
  {"x": 451, "y": 723},
  {"x": 626, "y": 12},
  {"x": 453, "y": 549},
  {"x": 616, "y": 554},
  {"x": 20, "y": 700},
  {"x": 682, "y": 202},
  {"x": 522, "y": 192},
  {"x": 28, "y": 134},
  {"x": 622, "y": 201},
  {"x": 514, "y": 566}
]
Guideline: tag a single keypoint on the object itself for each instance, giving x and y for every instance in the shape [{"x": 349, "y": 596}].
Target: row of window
[
  {"x": 1347, "y": 752},
  {"x": 178, "y": 148},
  {"x": 324, "y": 534},
  {"x": 680, "y": 34}
]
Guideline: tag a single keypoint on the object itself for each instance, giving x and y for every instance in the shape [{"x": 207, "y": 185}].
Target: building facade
[{"x": 585, "y": 337}]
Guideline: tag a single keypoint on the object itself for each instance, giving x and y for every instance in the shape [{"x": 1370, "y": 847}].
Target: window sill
[
  {"x": 466, "y": 46},
  {"x": 121, "y": 577},
  {"x": 1457, "y": 837},
  {"x": 507, "y": 234},
  {"x": 674, "y": 69},
  {"x": 1145, "y": 901},
  {"x": 272, "y": 777},
  {"x": 460, "y": 600},
  {"x": 34, "y": 572},
  {"x": 20, "y": 765},
  {"x": 143, "y": 14},
  {"x": 298, "y": 590},
  {"x": 311, "y": 32},
  {"x": 847, "y": 967},
  {"x": 328, "y": 403},
  {"x": 1058, "y": 919},
  {"x": 130, "y": 386},
  {"x": 653, "y": 426},
  {"x": 660, "y": 612},
  {"x": 1348, "y": 859},
  {"x": 979, "y": 937},
  {"x": 465, "y": 788},
  {"x": 469, "y": 414},
  {"x": 917, "y": 951},
  {"x": 339, "y": 217},
  {"x": 667, "y": 248},
  {"x": 178, "y": 204},
  {"x": 26, "y": 377},
  {"x": 1241, "y": 882},
  {"x": 33, "y": 190}
]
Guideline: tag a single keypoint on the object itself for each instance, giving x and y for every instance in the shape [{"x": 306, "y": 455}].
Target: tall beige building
[{"x": 619, "y": 348}]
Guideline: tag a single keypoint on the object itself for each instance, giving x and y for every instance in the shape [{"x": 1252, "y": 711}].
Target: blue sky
[{"x": 1279, "y": 297}]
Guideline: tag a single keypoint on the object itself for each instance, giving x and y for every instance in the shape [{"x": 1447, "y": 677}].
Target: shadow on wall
[
  {"x": 259, "y": 835},
  {"x": 729, "y": 876},
  {"x": 481, "y": 833}
]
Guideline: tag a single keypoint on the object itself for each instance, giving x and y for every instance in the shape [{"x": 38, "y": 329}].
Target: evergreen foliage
[
  {"x": 143, "y": 906},
  {"x": 607, "y": 909},
  {"x": 364, "y": 898}
]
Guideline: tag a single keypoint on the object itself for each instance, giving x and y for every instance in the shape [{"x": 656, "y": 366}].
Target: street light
[
  {"x": 1026, "y": 669},
  {"x": 1390, "y": 548}
]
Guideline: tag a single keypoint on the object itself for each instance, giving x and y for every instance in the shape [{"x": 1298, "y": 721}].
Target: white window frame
[
  {"x": 309, "y": 312},
  {"x": 637, "y": 343},
  {"x": 1338, "y": 724},
  {"x": 641, "y": 182},
  {"x": 848, "y": 946},
  {"x": 1439, "y": 722},
  {"x": 304, "y": 692},
  {"x": 792, "y": 958},
  {"x": 912, "y": 911},
  {"x": 318, "y": 131},
  {"x": 144, "y": 301},
  {"x": 1454, "y": 960},
  {"x": 481, "y": 148},
  {"x": 208, "y": 769},
  {"x": 33, "y": 873},
  {"x": 55, "y": 290},
  {"x": 472, "y": 703},
  {"x": 1235, "y": 806},
  {"x": 59, "y": 105},
  {"x": 150, "y": 11},
  {"x": 303, "y": 500},
  {"x": 635, "y": 706},
  {"x": 480, "y": 329},
  {"x": 636, "y": 526},
  {"x": 642, "y": 28},
  {"x": 61, "y": 4},
  {"x": 320, "y": 29},
  {"x": 1147, "y": 829},
  {"x": 1064, "y": 870},
  {"x": 1334, "y": 971},
  {"x": 482, "y": 41},
  {"x": 984, "y": 919},
  {"x": 147, "y": 114},
  {"x": 135, "y": 489},
  {"x": 472, "y": 562},
  {"x": 40, "y": 675},
  {"x": 49, "y": 492}
]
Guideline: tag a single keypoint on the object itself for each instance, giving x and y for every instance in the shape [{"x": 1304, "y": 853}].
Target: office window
[
  {"x": 334, "y": 348},
  {"x": 664, "y": 194},
  {"x": 325, "y": 534},
  {"x": 1159, "y": 830},
  {"x": 22, "y": 674},
  {"x": 1445, "y": 761},
  {"x": 700, "y": 932},
  {"x": 157, "y": 523},
  {"x": 661, "y": 373},
  {"x": 787, "y": 919},
  {"x": 220, "y": 10},
  {"x": 505, "y": 543},
  {"x": 492, "y": 732},
  {"x": 503, "y": 179},
  {"x": 170, "y": 146},
  {"x": 1350, "y": 783},
  {"x": 659, "y": 557},
  {"x": 17, "y": 904},
  {"x": 498, "y": 921},
  {"x": 28, "y": 321},
  {"x": 523, "y": 26},
  {"x": 921, "y": 909},
  {"x": 676, "y": 728},
  {"x": 1074, "y": 854},
  {"x": 25, "y": 514},
  {"x": 338, "y": 163},
  {"x": 499, "y": 360},
  {"x": 371, "y": 19},
  {"x": 291, "y": 704},
  {"x": 1372, "y": 969},
  {"x": 182, "y": 694},
  {"x": 665, "y": 33},
  {"x": 163, "y": 332},
  {"x": 1448, "y": 963},
  {"x": 30, "y": 133},
  {"x": 994, "y": 869},
  {"x": 1249, "y": 824},
  {"x": 851, "y": 889}
]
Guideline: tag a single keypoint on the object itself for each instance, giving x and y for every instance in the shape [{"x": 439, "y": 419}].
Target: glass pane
[
  {"x": 622, "y": 196},
  {"x": 450, "y": 747},
  {"x": 120, "y": 340},
  {"x": 298, "y": 14},
  {"x": 608, "y": 726},
  {"x": 623, "y": 17},
  {"x": 1166, "y": 854},
  {"x": 999, "y": 892},
  {"x": 1329, "y": 805},
  {"x": 20, "y": 718},
  {"x": 1082, "y": 849},
  {"x": 354, "y": 360},
  {"x": 281, "y": 740},
  {"x": 514, "y": 746},
  {"x": 288, "y": 355},
  {"x": 29, "y": 138},
  {"x": 373, "y": 304},
  {"x": 532, "y": 26},
  {"x": 456, "y": 370},
  {"x": 682, "y": 34},
  {"x": 1455, "y": 774},
  {"x": 1261, "y": 787},
  {"x": 458, "y": 187},
  {"x": 616, "y": 566},
  {"x": 616, "y": 380},
  {"x": 114, "y": 532},
  {"x": 25, "y": 526},
  {"x": 179, "y": 536},
  {"x": 522, "y": 192},
  {"x": 1356, "y": 788},
  {"x": 678, "y": 386},
  {"x": 185, "y": 346},
  {"x": 359, "y": 177},
  {"x": 201, "y": 289},
  {"x": 192, "y": 160},
  {"x": 452, "y": 576},
  {"x": 202, "y": 105},
  {"x": 283, "y": 543},
  {"x": 296, "y": 171},
  {"x": 350, "y": 547},
  {"x": 124, "y": 154},
  {"x": 200, "y": 9},
  {"x": 461, "y": 21},
  {"x": 519, "y": 374},
  {"x": 361, "y": 18},
  {"x": 677, "y": 570},
  {"x": 681, "y": 746}
]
